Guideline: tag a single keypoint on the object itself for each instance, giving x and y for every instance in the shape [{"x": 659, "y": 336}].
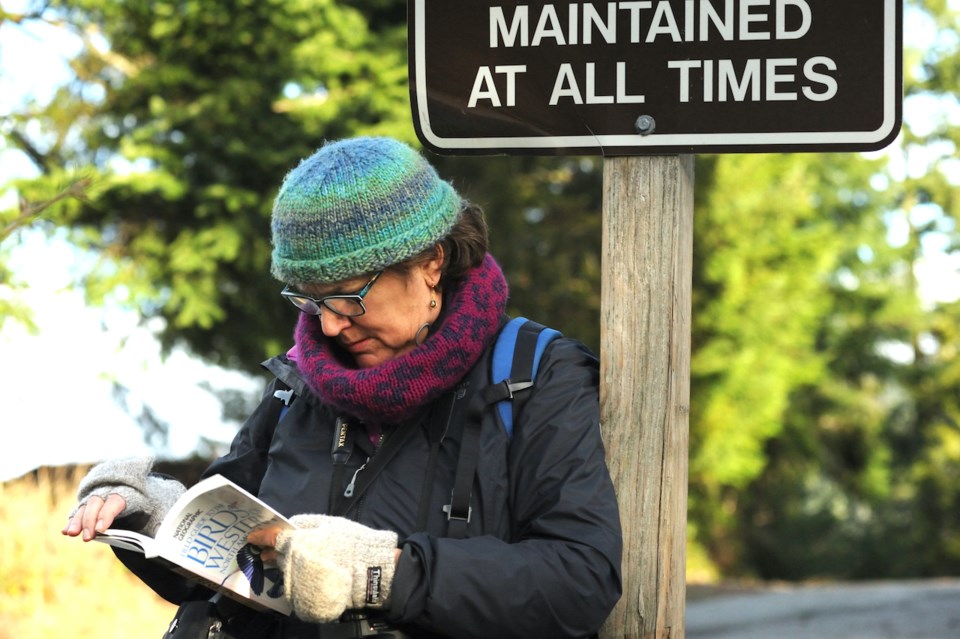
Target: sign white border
[{"x": 798, "y": 138}]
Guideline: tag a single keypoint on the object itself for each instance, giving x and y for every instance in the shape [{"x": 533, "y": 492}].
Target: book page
[{"x": 129, "y": 540}]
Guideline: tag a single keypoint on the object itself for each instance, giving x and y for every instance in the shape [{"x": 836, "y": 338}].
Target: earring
[
  {"x": 433, "y": 296},
  {"x": 421, "y": 335}
]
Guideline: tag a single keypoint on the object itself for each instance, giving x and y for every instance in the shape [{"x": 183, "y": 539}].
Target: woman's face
[{"x": 398, "y": 304}]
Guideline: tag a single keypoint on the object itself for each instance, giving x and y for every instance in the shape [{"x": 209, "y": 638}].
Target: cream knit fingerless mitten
[{"x": 331, "y": 564}]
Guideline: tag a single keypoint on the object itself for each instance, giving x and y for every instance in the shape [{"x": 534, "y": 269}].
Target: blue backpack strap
[
  {"x": 513, "y": 366},
  {"x": 516, "y": 357}
]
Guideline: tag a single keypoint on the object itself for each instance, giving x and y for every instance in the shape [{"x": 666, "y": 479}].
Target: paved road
[{"x": 875, "y": 610}]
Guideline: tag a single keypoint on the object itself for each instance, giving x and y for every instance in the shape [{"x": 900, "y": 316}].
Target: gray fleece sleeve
[{"x": 151, "y": 495}]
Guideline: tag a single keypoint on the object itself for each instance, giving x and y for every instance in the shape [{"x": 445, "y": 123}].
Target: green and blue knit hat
[{"x": 358, "y": 206}]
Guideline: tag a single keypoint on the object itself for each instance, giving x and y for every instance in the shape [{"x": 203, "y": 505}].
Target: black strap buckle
[
  {"x": 504, "y": 390},
  {"x": 450, "y": 515}
]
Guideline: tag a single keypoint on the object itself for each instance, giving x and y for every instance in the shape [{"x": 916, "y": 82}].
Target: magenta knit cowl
[{"x": 399, "y": 388}]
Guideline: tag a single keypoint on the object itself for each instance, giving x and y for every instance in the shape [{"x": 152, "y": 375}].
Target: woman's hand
[
  {"x": 330, "y": 564},
  {"x": 96, "y": 515},
  {"x": 266, "y": 539}
]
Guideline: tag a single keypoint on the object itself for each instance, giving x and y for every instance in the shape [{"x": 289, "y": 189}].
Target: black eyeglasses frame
[{"x": 312, "y": 305}]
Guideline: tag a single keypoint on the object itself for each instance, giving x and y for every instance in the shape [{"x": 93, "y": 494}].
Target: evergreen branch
[
  {"x": 30, "y": 150},
  {"x": 30, "y": 211}
]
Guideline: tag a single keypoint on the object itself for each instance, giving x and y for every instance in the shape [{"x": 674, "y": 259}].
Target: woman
[{"x": 400, "y": 305}]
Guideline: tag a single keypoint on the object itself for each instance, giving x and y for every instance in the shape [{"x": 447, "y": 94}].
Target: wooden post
[{"x": 645, "y": 382}]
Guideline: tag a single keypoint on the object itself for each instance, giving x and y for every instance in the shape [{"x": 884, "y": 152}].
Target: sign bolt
[{"x": 645, "y": 125}]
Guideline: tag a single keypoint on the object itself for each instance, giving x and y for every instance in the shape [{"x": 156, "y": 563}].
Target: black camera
[{"x": 370, "y": 625}]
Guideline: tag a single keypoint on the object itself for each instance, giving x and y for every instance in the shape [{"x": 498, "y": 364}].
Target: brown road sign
[{"x": 655, "y": 76}]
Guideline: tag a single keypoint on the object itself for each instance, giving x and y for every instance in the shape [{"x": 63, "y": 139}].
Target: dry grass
[{"x": 56, "y": 586}]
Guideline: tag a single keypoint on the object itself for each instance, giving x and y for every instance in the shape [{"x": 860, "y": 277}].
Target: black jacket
[{"x": 542, "y": 553}]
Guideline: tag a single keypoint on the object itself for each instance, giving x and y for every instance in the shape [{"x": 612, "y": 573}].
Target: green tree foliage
[
  {"x": 10, "y": 222},
  {"x": 771, "y": 232},
  {"x": 190, "y": 114},
  {"x": 859, "y": 477}
]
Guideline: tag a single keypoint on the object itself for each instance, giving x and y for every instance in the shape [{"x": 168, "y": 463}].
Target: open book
[{"x": 204, "y": 537}]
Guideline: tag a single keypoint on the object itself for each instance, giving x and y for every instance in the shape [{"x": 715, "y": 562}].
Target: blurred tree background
[{"x": 825, "y": 402}]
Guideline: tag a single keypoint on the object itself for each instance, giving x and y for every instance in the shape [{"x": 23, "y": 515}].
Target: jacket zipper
[{"x": 353, "y": 480}]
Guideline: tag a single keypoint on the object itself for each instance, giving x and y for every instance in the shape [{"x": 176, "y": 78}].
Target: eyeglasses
[{"x": 346, "y": 305}]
